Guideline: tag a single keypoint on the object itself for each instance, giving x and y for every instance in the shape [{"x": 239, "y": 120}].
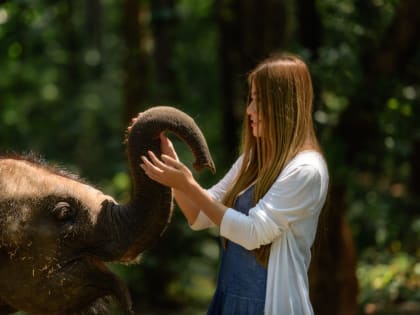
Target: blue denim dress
[{"x": 242, "y": 280}]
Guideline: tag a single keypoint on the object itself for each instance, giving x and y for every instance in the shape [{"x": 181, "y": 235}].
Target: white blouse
[{"x": 287, "y": 217}]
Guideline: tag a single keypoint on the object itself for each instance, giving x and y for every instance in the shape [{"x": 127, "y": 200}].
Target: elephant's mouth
[{"x": 85, "y": 283}]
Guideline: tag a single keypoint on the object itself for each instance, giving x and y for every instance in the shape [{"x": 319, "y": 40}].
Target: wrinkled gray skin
[{"x": 56, "y": 232}]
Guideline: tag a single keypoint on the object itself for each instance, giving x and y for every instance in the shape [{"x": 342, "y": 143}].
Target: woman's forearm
[
  {"x": 188, "y": 208},
  {"x": 203, "y": 201}
]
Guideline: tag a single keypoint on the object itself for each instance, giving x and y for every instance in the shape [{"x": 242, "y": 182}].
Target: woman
[{"x": 267, "y": 206}]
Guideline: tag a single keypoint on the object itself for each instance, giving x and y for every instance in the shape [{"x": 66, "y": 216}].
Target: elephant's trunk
[{"x": 130, "y": 229}]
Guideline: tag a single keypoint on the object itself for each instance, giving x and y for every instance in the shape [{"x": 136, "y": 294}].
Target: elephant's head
[{"x": 57, "y": 231}]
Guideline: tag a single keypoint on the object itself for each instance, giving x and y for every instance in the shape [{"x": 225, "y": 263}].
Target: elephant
[{"x": 57, "y": 231}]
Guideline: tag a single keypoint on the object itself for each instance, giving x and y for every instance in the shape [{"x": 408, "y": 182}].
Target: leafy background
[{"x": 73, "y": 73}]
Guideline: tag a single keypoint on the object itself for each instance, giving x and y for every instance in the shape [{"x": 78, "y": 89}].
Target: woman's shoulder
[
  {"x": 309, "y": 156},
  {"x": 309, "y": 161},
  {"x": 306, "y": 172}
]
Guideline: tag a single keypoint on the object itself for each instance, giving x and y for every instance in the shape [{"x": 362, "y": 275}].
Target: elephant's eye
[{"x": 63, "y": 211}]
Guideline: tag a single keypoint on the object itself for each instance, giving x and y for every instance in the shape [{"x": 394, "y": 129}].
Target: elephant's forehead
[{"x": 21, "y": 179}]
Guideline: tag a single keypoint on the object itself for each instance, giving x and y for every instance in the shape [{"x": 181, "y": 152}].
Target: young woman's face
[{"x": 255, "y": 121}]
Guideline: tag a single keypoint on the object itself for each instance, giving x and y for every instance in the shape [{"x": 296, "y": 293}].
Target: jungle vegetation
[{"x": 74, "y": 73}]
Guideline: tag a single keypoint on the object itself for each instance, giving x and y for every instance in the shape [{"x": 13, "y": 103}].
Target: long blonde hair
[{"x": 284, "y": 105}]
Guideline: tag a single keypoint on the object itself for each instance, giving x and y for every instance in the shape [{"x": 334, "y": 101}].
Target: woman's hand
[{"x": 169, "y": 172}]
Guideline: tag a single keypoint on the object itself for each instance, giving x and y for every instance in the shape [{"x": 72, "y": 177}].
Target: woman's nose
[{"x": 250, "y": 108}]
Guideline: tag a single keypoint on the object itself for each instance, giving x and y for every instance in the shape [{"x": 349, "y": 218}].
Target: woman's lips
[{"x": 253, "y": 123}]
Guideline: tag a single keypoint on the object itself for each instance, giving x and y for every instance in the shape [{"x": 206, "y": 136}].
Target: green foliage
[
  {"x": 61, "y": 96},
  {"x": 382, "y": 212},
  {"x": 388, "y": 277},
  {"x": 51, "y": 93}
]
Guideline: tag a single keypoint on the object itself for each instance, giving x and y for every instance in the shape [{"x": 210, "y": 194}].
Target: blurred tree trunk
[
  {"x": 158, "y": 274},
  {"x": 71, "y": 43},
  {"x": 137, "y": 56},
  {"x": 415, "y": 170},
  {"x": 140, "y": 38},
  {"x": 309, "y": 26},
  {"x": 94, "y": 22},
  {"x": 394, "y": 58},
  {"x": 94, "y": 35},
  {"x": 381, "y": 65},
  {"x": 164, "y": 22},
  {"x": 332, "y": 273},
  {"x": 248, "y": 31}
]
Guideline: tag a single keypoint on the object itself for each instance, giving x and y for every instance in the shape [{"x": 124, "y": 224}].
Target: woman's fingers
[
  {"x": 168, "y": 171},
  {"x": 156, "y": 161},
  {"x": 156, "y": 166},
  {"x": 167, "y": 146},
  {"x": 171, "y": 161},
  {"x": 168, "y": 165},
  {"x": 149, "y": 166},
  {"x": 163, "y": 137},
  {"x": 152, "y": 171}
]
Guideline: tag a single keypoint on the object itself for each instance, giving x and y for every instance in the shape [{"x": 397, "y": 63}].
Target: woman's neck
[{"x": 309, "y": 145}]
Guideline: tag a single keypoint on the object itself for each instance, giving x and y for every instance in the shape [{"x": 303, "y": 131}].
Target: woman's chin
[{"x": 256, "y": 133}]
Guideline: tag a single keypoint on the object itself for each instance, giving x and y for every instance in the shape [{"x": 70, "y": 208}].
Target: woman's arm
[{"x": 188, "y": 208}]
